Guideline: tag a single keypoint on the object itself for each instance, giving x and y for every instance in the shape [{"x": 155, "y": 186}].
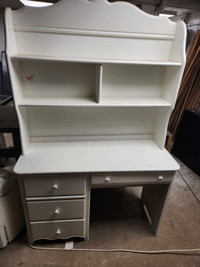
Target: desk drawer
[
  {"x": 54, "y": 185},
  {"x": 128, "y": 179},
  {"x": 56, "y": 210},
  {"x": 57, "y": 229}
]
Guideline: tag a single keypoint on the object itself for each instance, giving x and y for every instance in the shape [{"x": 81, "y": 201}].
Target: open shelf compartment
[
  {"x": 68, "y": 124},
  {"x": 55, "y": 83},
  {"x": 85, "y": 84},
  {"x": 139, "y": 85}
]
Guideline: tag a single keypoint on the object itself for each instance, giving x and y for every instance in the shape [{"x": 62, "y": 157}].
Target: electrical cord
[{"x": 165, "y": 251}]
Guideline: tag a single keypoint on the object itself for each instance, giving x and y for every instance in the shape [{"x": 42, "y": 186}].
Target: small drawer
[
  {"x": 54, "y": 185},
  {"x": 57, "y": 229},
  {"x": 56, "y": 210},
  {"x": 128, "y": 179}
]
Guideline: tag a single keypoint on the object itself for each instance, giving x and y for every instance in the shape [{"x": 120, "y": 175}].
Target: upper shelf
[{"x": 94, "y": 60}]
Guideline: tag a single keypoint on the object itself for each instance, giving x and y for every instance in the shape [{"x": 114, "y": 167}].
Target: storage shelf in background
[
  {"x": 94, "y": 60},
  {"x": 84, "y": 101}
]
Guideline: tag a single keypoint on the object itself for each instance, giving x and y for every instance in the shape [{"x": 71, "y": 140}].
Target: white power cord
[{"x": 165, "y": 251}]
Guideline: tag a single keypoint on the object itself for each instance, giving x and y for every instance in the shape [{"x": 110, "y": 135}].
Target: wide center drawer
[
  {"x": 54, "y": 185},
  {"x": 57, "y": 229},
  {"x": 128, "y": 179},
  {"x": 56, "y": 210}
]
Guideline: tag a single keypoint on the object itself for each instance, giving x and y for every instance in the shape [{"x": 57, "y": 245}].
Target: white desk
[{"x": 94, "y": 85}]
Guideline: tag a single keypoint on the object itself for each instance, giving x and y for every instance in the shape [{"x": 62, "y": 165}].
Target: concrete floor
[{"x": 118, "y": 221}]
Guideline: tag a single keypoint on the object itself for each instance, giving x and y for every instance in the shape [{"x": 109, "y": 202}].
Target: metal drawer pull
[
  {"x": 58, "y": 232},
  {"x": 160, "y": 177},
  {"x": 57, "y": 212},
  {"x": 55, "y": 186},
  {"x": 107, "y": 179}
]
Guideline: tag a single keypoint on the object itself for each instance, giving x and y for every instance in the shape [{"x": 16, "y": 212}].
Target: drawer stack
[{"x": 56, "y": 206}]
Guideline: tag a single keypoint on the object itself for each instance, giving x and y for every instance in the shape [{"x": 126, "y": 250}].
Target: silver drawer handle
[
  {"x": 57, "y": 212},
  {"x": 107, "y": 179},
  {"x": 160, "y": 177},
  {"x": 58, "y": 232},
  {"x": 55, "y": 186}
]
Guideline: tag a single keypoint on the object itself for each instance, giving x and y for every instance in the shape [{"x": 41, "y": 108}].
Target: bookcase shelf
[
  {"x": 82, "y": 84},
  {"x": 87, "y": 82},
  {"x": 135, "y": 102},
  {"x": 19, "y": 57},
  {"x": 81, "y": 101},
  {"x": 57, "y": 101}
]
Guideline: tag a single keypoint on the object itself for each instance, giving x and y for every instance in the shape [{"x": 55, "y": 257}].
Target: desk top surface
[{"x": 95, "y": 156}]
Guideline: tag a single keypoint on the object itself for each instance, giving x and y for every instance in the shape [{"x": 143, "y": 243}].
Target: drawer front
[
  {"x": 56, "y": 210},
  {"x": 57, "y": 229},
  {"x": 111, "y": 180},
  {"x": 52, "y": 185}
]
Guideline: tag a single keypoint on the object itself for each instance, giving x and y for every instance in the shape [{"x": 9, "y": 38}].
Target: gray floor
[{"x": 118, "y": 221}]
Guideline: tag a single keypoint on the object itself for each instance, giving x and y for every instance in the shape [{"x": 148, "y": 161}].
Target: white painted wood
[
  {"x": 103, "y": 16},
  {"x": 99, "y": 73},
  {"x": 11, "y": 48},
  {"x": 177, "y": 52},
  {"x": 115, "y": 33},
  {"x": 132, "y": 82},
  {"x": 87, "y": 102},
  {"x": 55, "y": 198},
  {"x": 61, "y": 229},
  {"x": 30, "y": 57},
  {"x": 102, "y": 156},
  {"x": 78, "y": 138},
  {"x": 160, "y": 126},
  {"x": 134, "y": 101},
  {"x": 94, "y": 33},
  {"x": 90, "y": 46},
  {"x": 54, "y": 185},
  {"x": 89, "y": 121},
  {"x": 56, "y": 210},
  {"x": 154, "y": 198},
  {"x": 110, "y": 180},
  {"x": 63, "y": 101},
  {"x": 51, "y": 79},
  {"x": 94, "y": 85}
]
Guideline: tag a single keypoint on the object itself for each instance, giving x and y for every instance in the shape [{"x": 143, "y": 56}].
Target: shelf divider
[{"x": 98, "y": 82}]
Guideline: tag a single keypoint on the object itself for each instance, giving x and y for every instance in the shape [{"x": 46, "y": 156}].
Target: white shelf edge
[
  {"x": 34, "y": 101},
  {"x": 95, "y": 61},
  {"x": 116, "y": 34}
]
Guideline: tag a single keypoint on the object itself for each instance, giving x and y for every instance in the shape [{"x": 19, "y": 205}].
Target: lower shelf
[{"x": 95, "y": 156}]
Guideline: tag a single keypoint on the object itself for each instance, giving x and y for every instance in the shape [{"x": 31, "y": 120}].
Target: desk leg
[
  {"x": 87, "y": 208},
  {"x": 154, "y": 199}
]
